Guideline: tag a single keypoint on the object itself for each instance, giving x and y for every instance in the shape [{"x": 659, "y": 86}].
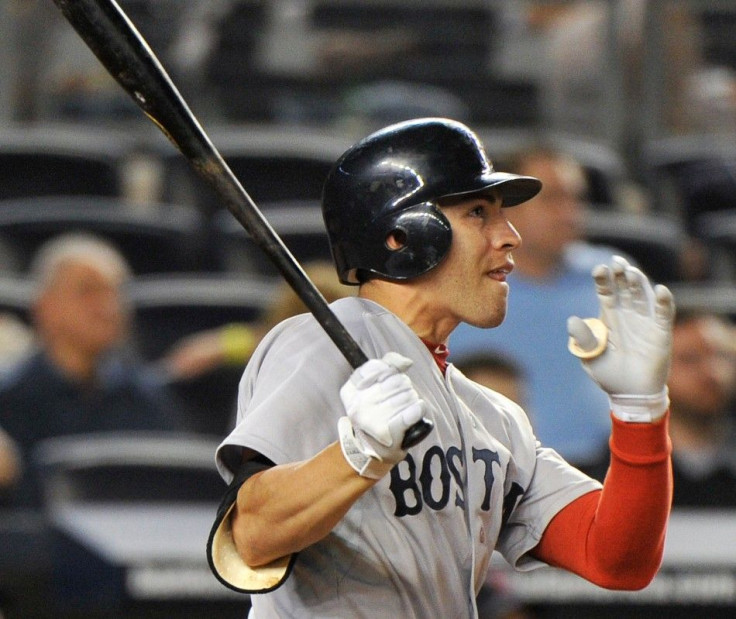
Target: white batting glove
[
  {"x": 633, "y": 367},
  {"x": 381, "y": 405}
]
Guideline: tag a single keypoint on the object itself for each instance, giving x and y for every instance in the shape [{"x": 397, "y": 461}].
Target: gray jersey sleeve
[
  {"x": 554, "y": 484},
  {"x": 287, "y": 403}
]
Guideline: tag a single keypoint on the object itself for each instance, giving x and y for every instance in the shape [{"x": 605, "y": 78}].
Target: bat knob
[
  {"x": 416, "y": 433},
  {"x": 600, "y": 333}
]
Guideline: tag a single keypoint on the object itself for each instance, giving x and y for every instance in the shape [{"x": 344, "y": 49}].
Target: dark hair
[{"x": 489, "y": 360}]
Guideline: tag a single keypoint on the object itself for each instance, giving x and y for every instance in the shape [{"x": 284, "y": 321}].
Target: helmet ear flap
[
  {"x": 419, "y": 239},
  {"x": 396, "y": 238}
]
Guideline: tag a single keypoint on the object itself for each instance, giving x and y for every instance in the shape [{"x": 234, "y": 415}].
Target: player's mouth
[{"x": 499, "y": 274}]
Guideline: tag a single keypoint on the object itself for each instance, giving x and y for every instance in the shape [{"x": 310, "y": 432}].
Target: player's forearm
[
  {"x": 289, "y": 507},
  {"x": 631, "y": 521},
  {"x": 615, "y": 538}
]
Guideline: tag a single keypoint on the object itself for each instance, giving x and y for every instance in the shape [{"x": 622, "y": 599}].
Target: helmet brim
[{"x": 514, "y": 188}]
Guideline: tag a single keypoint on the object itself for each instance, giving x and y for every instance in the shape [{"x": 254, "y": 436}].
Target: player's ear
[{"x": 396, "y": 239}]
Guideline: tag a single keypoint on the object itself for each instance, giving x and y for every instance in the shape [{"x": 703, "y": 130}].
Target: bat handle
[{"x": 356, "y": 357}]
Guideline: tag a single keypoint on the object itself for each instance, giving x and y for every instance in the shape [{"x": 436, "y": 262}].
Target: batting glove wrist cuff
[
  {"x": 366, "y": 464},
  {"x": 640, "y": 408}
]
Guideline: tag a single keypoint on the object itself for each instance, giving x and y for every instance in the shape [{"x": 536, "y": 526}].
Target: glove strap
[
  {"x": 364, "y": 464},
  {"x": 640, "y": 408}
]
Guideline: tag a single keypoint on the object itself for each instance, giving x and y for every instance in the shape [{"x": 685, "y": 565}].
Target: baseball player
[{"x": 327, "y": 515}]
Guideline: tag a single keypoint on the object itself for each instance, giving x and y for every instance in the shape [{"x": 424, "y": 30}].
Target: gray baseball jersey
[{"x": 418, "y": 544}]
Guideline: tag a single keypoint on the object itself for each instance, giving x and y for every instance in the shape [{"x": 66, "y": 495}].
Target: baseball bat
[{"x": 118, "y": 45}]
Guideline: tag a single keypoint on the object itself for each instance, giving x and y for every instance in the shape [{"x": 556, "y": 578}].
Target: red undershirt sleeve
[{"x": 615, "y": 537}]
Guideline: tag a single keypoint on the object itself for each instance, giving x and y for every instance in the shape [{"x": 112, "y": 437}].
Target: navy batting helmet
[{"x": 390, "y": 183}]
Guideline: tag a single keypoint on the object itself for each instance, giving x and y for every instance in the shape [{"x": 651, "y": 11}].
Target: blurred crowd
[{"x": 625, "y": 113}]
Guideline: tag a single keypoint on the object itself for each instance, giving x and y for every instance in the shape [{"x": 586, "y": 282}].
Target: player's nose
[{"x": 505, "y": 236}]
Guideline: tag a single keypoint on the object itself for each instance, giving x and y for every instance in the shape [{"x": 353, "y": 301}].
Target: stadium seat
[
  {"x": 52, "y": 161},
  {"x": 170, "y": 308},
  {"x": 691, "y": 175},
  {"x": 129, "y": 515},
  {"x": 156, "y": 20},
  {"x": 125, "y": 467},
  {"x": 154, "y": 239},
  {"x": 444, "y": 38},
  {"x": 603, "y": 166},
  {"x": 443, "y": 48},
  {"x": 717, "y": 230},
  {"x": 711, "y": 296},
  {"x": 656, "y": 243},
  {"x": 15, "y": 297},
  {"x": 231, "y": 71},
  {"x": 272, "y": 163},
  {"x": 298, "y": 223},
  {"x": 717, "y": 24}
]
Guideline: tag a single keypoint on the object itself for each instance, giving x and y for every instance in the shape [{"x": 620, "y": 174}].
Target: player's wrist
[
  {"x": 640, "y": 408},
  {"x": 364, "y": 463}
]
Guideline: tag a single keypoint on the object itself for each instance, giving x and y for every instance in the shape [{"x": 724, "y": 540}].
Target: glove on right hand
[{"x": 381, "y": 405}]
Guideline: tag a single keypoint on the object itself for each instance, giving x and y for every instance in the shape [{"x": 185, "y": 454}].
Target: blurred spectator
[
  {"x": 701, "y": 386},
  {"x": 519, "y": 49},
  {"x": 23, "y": 23},
  {"x": 16, "y": 341},
  {"x": 496, "y": 372},
  {"x": 79, "y": 380},
  {"x": 233, "y": 344},
  {"x": 62, "y": 77},
  {"x": 711, "y": 93},
  {"x": 205, "y": 368},
  {"x": 9, "y": 467},
  {"x": 550, "y": 282},
  {"x": 495, "y": 601},
  {"x": 577, "y": 54},
  {"x": 379, "y": 103}
]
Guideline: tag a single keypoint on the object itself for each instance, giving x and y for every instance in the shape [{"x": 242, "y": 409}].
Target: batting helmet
[{"x": 390, "y": 183}]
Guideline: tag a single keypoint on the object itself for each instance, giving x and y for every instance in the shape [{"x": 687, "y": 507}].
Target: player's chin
[
  {"x": 490, "y": 323},
  {"x": 487, "y": 317}
]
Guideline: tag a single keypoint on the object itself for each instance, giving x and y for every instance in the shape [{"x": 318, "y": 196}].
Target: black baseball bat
[{"x": 113, "y": 38}]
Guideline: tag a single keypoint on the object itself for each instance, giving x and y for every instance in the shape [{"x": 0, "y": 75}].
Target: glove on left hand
[{"x": 634, "y": 366}]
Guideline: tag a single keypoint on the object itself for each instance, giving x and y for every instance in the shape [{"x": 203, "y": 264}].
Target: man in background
[{"x": 79, "y": 380}]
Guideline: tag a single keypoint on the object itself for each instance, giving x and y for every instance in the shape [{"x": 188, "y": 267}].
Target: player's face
[{"x": 470, "y": 284}]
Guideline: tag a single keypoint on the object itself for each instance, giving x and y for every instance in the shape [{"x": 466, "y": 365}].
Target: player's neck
[{"x": 412, "y": 306}]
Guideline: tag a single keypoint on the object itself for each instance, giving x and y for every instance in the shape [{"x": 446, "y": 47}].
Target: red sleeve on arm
[{"x": 615, "y": 537}]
